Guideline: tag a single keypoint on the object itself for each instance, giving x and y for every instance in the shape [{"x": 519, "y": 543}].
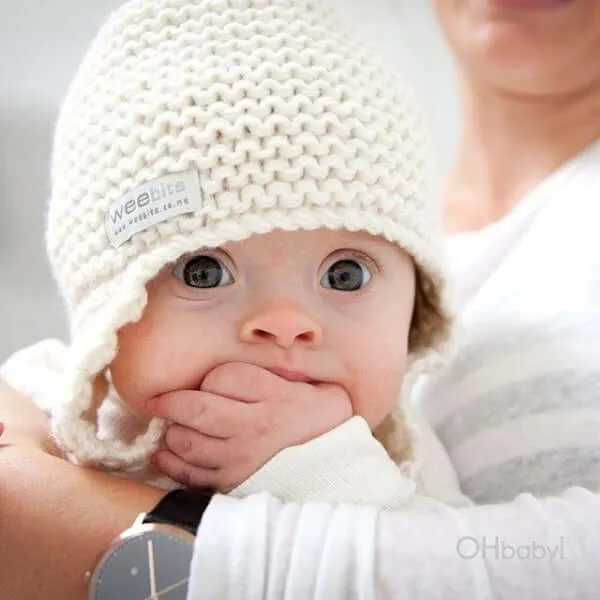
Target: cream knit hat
[{"x": 191, "y": 123}]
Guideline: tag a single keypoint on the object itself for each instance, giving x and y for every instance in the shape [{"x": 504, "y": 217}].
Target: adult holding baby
[{"x": 394, "y": 554}]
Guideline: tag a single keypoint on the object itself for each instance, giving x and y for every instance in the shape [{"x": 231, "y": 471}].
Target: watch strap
[{"x": 182, "y": 508}]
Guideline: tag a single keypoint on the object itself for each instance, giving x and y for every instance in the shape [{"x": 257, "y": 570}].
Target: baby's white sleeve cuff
[{"x": 345, "y": 465}]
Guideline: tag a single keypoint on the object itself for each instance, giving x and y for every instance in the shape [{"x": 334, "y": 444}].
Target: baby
[{"x": 239, "y": 201}]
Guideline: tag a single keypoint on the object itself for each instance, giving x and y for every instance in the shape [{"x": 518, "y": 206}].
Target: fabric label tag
[{"x": 158, "y": 200}]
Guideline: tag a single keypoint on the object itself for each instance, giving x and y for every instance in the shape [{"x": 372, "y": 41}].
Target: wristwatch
[{"x": 151, "y": 559}]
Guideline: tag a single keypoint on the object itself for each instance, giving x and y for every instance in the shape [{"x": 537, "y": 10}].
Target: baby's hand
[{"x": 240, "y": 418}]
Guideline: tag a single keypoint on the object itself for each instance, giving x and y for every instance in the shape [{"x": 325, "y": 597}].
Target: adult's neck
[{"x": 511, "y": 143}]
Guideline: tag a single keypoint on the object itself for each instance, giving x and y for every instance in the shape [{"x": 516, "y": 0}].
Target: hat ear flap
[{"x": 75, "y": 428}]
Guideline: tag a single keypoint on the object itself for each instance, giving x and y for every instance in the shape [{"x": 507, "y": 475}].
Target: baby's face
[{"x": 320, "y": 306}]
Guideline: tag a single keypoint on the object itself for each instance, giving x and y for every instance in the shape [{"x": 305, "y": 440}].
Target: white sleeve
[
  {"x": 259, "y": 548},
  {"x": 344, "y": 465},
  {"x": 348, "y": 465}
]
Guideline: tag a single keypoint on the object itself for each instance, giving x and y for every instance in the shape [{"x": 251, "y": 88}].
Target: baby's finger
[
  {"x": 184, "y": 473},
  {"x": 245, "y": 382},
  {"x": 195, "y": 448},
  {"x": 212, "y": 415}
]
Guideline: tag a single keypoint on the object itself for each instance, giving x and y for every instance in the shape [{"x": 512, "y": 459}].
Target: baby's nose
[{"x": 283, "y": 326}]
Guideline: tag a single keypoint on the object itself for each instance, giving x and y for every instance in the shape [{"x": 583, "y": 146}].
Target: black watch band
[{"x": 182, "y": 508}]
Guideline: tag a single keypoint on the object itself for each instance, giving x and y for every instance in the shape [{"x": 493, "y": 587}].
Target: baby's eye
[
  {"x": 202, "y": 271},
  {"x": 346, "y": 275}
]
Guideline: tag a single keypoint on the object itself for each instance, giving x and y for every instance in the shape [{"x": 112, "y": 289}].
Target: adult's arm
[
  {"x": 55, "y": 518},
  {"x": 527, "y": 549}
]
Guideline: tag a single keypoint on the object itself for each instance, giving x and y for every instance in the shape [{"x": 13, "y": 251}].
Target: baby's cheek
[
  {"x": 132, "y": 391},
  {"x": 137, "y": 377},
  {"x": 377, "y": 407},
  {"x": 379, "y": 390},
  {"x": 155, "y": 355}
]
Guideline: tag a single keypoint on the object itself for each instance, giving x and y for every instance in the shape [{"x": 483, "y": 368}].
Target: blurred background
[{"x": 41, "y": 44}]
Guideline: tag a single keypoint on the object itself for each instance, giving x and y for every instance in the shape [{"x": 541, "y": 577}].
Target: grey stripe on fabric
[
  {"x": 558, "y": 390},
  {"x": 504, "y": 338},
  {"x": 542, "y": 474}
]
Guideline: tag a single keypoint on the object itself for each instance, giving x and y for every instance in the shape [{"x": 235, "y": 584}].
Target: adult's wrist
[{"x": 56, "y": 521}]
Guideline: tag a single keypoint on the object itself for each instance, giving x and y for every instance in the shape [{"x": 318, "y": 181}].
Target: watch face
[{"x": 151, "y": 564}]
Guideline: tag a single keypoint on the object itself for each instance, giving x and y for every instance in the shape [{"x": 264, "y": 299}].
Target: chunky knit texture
[{"x": 289, "y": 121}]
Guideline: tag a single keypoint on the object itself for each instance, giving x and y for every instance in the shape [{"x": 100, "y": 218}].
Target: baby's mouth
[{"x": 291, "y": 375}]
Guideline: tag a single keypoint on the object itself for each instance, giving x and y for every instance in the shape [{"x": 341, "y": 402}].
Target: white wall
[{"x": 41, "y": 43}]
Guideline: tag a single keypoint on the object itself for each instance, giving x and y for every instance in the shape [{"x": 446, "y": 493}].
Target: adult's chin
[{"x": 525, "y": 46}]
